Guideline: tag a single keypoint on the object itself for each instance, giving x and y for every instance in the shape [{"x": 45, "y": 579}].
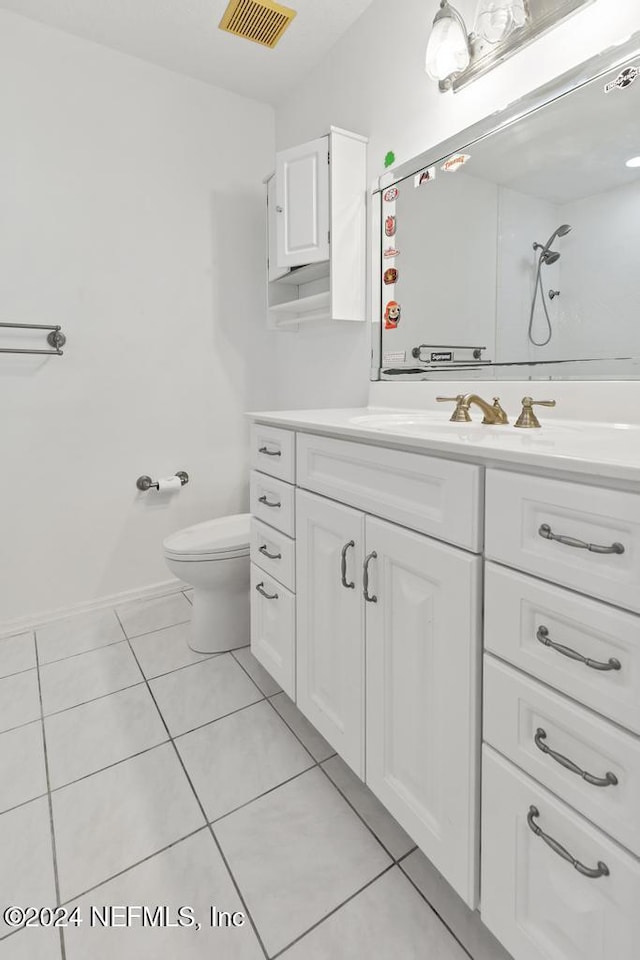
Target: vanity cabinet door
[
  {"x": 330, "y": 623},
  {"x": 302, "y": 204},
  {"x": 422, "y": 666}
]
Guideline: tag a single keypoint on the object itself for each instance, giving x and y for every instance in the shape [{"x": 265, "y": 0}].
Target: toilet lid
[{"x": 214, "y": 538}]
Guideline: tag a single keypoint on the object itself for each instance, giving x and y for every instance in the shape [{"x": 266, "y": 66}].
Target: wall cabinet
[
  {"x": 302, "y": 204},
  {"x": 316, "y": 215}
]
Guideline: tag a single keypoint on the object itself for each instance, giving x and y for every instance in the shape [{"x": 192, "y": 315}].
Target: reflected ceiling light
[
  {"x": 497, "y": 19},
  {"x": 633, "y": 162},
  {"x": 448, "y": 50}
]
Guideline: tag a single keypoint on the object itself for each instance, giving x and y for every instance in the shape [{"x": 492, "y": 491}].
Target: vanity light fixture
[
  {"x": 448, "y": 49},
  {"x": 455, "y": 57},
  {"x": 633, "y": 162},
  {"x": 497, "y": 19}
]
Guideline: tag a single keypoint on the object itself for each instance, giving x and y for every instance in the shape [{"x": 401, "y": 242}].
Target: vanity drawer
[
  {"x": 273, "y": 501},
  {"x": 524, "y": 617},
  {"x": 273, "y": 451},
  {"x": 438, "y": 497},
  {"x": 274, "y": 552},
  {"x": 523, "y": 718},
  {"x": 273, "y": 629},
  {"x": 533, "y": 900},
  {"x": 520, "y": 509}
]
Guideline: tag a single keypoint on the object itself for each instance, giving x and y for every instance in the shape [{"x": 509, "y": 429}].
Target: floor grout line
[
  {"x": 358, "y": 814},
  {"x": 17, "y": 673},
  {"x": 318, "y": 923},
  {"x": 147, "y": 633},
  {"x": 438, "y": 915},
  {"x": 208, "y": 825},
  {"x": 54, "y": 851},
  {"x": 138, "y": 863}
]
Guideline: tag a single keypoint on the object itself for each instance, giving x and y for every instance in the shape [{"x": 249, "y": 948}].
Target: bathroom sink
[{"x": 384, "y": 421}]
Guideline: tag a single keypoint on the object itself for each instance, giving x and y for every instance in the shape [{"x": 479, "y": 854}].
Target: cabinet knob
[{"x": 279, "y": 209}]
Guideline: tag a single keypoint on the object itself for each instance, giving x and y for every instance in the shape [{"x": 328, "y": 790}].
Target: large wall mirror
[{"x": 515, "y": 252}]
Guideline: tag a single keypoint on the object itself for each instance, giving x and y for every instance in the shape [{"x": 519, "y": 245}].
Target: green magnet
[{"x": 390, "y": 159}]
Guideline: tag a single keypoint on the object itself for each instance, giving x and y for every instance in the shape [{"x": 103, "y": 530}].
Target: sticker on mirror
[
  {"x": 390, "y": 226},
  {"x": 390, "y": 194},
  {"x": 454, "y": 163},
  {"x": 624, "y": 79},
  {"x": 424, "y": 176},
  {"x": 391, "y": 252},
  {"x": 390, "y": 275},
  {"x": 392, "y": 315}
]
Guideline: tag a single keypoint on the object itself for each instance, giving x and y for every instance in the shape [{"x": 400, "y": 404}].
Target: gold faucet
[{"x": 493, "y": 413}]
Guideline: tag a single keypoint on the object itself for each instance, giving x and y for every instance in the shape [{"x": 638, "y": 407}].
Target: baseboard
[{"x": 24, "y": 624}]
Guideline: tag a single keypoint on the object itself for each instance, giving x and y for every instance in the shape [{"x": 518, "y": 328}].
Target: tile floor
[{"x": 135, "y": 772}]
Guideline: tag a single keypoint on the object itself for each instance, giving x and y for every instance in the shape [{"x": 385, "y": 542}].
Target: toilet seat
[{"x": 221, "y": 539}]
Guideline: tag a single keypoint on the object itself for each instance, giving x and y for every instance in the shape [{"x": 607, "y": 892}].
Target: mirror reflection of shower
[{"x": 547, "y": 256}]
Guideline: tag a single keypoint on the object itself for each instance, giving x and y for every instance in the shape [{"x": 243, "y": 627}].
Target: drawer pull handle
[
  {"x": 602, "y": 870},
  {"x": 546, "y": 532},
  {"x": 263, "y": 592},
  {"x": 268, "y": 503},
  {"x": 270, "y": 453},
  {"x": 272, "y": 556},
  {"x": 365, "y": 582},
  {"x": 545, "y": 639},
  {"x": 609, "y": 779},
  {"x": 343, "y": 566}
]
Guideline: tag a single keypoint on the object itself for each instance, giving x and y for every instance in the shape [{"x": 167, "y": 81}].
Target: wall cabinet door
[
  {"x": 274, "y": 272},
  {"x": 330, "y": 623},
  {"x": 422, "y": 668},
  {"x": 302, "y": 204}
]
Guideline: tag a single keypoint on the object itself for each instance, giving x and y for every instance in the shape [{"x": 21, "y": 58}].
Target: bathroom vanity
[
  {"x": 403, "y": 564},
  {"x": 455, "y": 606}
]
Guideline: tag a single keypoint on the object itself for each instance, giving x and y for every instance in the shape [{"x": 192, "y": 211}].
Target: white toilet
[{"x": 214, "y": 558}]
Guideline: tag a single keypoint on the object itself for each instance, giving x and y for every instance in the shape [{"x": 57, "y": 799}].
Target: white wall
[
  {"x": 373, "y": 82},
  {"x": 131, "y": 213}
]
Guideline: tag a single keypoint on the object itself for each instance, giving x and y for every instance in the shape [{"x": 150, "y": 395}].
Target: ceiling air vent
[{"x": 259, "y": 20}]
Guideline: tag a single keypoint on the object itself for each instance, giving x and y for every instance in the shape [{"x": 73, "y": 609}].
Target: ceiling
[{"x": 183, "y": 35}]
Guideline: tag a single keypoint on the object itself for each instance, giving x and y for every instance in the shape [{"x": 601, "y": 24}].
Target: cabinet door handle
[
  {"x": 544, "y": 638},
  {"x": 263, "y": 592},
  {"x": 343, "y": 566},
  {"x": 270, "y": 453},
  {"x": 546, "y": 532},
  {"x": 272, "y": 556},
  {"x": 365, "y": 579},
  {"x": 268, "y": 503},
  {"x": 602, "y": 870},
  {"x": 609, "y": 779}
]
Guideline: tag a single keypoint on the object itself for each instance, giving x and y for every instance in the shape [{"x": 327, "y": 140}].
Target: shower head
[
  {"x": 562, "y": 231},
  {"x": 548, "y": 255}
]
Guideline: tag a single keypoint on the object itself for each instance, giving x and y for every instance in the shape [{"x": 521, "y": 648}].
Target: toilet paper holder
[{"x": 146, "y": 483}]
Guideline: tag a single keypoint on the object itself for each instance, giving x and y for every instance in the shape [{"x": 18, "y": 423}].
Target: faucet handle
[
  {"x": 461, "y": 413},
  {"x": 528, "y": 418},
  {"x": 500, "y": 414}
]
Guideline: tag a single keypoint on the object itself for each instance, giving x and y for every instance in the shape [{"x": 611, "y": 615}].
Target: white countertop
[{"x": 609, "y": 452}]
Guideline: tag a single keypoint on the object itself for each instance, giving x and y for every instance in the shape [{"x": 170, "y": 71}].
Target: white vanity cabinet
[
  {"x": 330, "y": 623},
  {"x": 272, "y": 551},
  {"x": 391, "y": 617},
  {"x": 423, "y": 671},
  {"x": 561, "y": 779},
  {"x": 316, "y": 216}
]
